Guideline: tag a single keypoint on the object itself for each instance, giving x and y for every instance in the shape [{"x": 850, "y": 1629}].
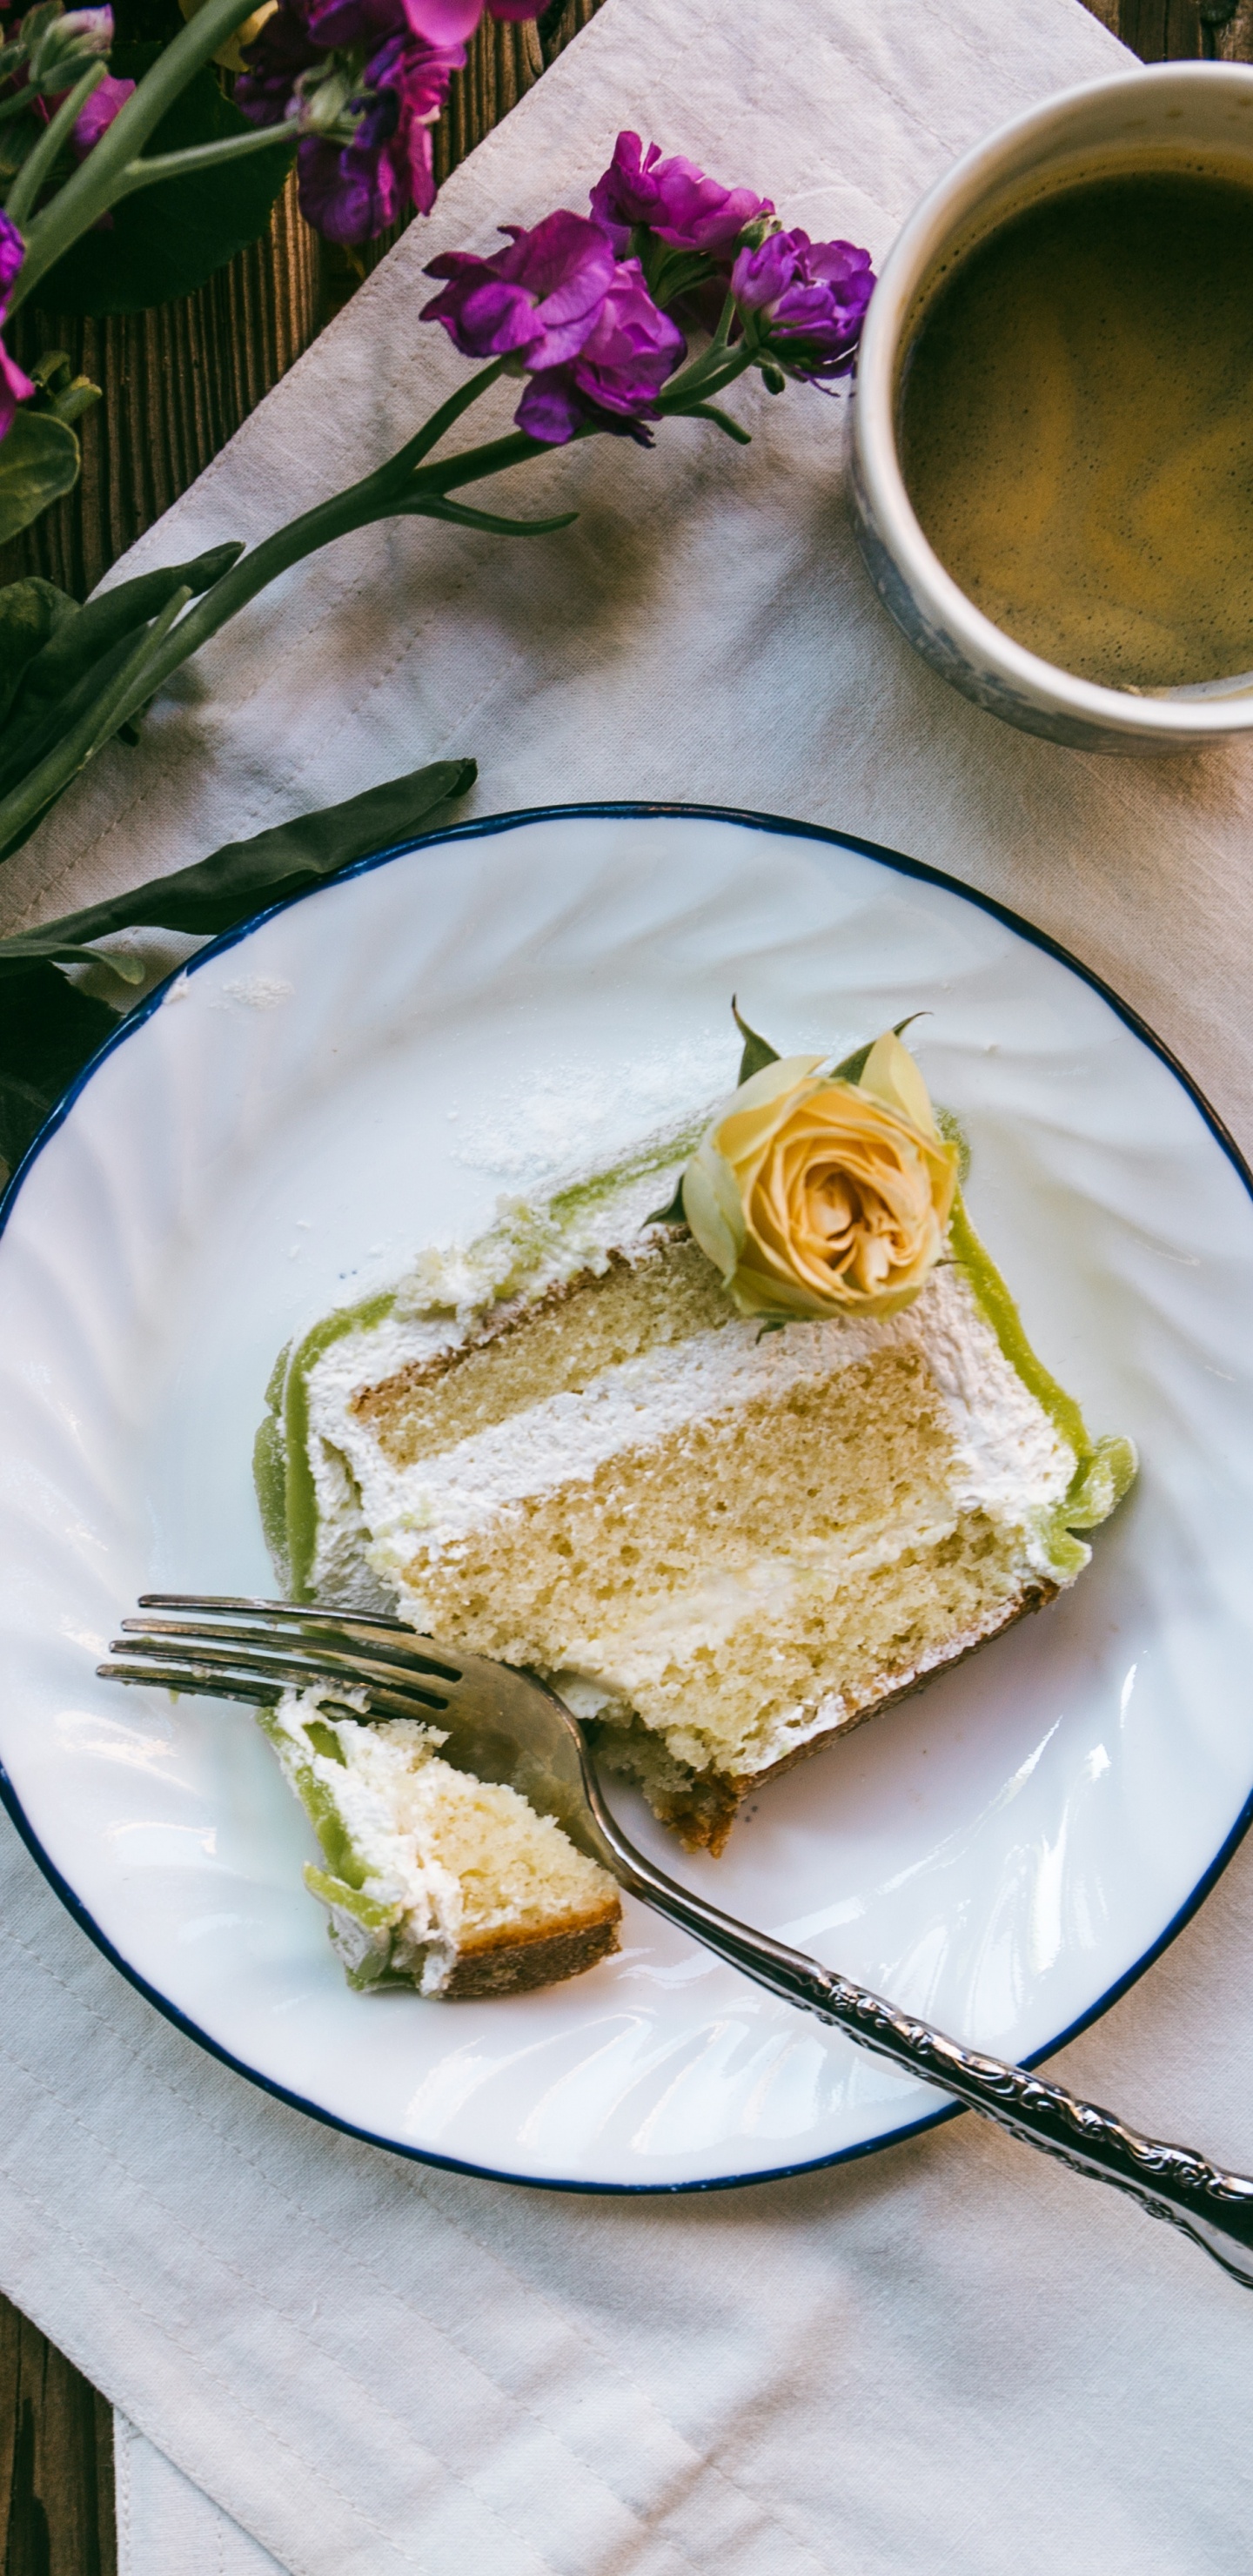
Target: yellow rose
[{"x": 821, "y": 1197}]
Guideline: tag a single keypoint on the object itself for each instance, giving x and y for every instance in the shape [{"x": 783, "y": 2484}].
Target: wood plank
[{"x": 56, "y": 2460}]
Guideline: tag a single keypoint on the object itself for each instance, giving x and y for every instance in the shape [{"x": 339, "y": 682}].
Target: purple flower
[
  {"x": 535, "y": 303},
  {"x": 561, "y": 310},
  {"x": 14, "y": 386},
  {"x": 97, "y": 116},
  {"x": 809, "y": 298},
  {"x": 614, "y": 381},
  {"x": 673, "y": 198},
  {"x": 353, "y": 183}
]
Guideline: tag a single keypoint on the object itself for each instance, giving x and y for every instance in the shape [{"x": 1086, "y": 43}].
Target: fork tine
[
  {"x": 276, "y": 1609},
  {"x": 305, "y": 1646},
  {"x": 294, "y": 1669},
  {"x": 192, "y": 1678},
  {"x": 229, "y": 1677},
  {"x": 382, "y": 1636}
]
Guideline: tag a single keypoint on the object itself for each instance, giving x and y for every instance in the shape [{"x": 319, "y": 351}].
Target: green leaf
[
  {"x": 48, "y": 1029},
  {"x": 167, "y": 239},
  {"x": 30, "y": 613},
  {"x": 758, "y": 1052},
  {"x": 130, "y": 667},
  {"x": 28, "y": 740},
  {"x": 81, "y": 642},
  {"x": 48, "y": 1032},
  {"x": 246, "y": 875},
  {"x": 38, "y": 462},
  {"x": 854, "y": 1065}
]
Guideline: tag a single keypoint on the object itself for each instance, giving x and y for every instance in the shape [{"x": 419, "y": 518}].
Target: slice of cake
[
  {"x": 433, "y": 1879},
  {"x": 731, "y": 1479}
]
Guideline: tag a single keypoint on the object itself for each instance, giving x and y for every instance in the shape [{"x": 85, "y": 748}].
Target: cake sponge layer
[{"x": 749, "y": 1580}]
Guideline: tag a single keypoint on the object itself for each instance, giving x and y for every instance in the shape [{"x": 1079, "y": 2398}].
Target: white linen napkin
[{"x": 951, "y": 2356}]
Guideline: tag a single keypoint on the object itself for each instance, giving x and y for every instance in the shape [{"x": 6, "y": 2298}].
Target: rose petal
[
  {"x": 711, "y": 1204},
  {"x": 891, "y": 1073}
]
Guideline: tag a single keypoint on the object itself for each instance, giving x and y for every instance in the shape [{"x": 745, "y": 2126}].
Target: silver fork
[{"x": 504, "y": 1725}]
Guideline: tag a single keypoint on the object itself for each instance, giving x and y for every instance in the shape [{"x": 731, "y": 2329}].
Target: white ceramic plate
[{"x": 365, "y": 1071}]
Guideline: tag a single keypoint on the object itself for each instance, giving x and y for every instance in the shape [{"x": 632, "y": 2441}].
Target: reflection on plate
[{"x": 366, "y": 1071}]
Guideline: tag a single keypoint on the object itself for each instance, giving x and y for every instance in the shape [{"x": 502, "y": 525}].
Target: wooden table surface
[{"x": 56, "y": 2431}]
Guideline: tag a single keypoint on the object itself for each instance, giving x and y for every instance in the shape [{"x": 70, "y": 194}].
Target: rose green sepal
[
  {"x": 675, "y": 1214},
  {"x": 758, "y": 1051}
]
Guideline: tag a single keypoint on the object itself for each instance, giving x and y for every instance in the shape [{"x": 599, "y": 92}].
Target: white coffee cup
[{"x": 1104, "y": 128}]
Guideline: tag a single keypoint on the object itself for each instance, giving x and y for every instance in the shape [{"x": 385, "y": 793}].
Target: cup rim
[{"x": 946, "y": 606}]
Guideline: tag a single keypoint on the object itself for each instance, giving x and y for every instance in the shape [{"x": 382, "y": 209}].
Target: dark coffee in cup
[{"x": 1076, "y": 426}]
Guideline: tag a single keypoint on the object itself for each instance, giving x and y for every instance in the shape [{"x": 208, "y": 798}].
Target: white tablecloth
[{"x": 950, "y": 2357}]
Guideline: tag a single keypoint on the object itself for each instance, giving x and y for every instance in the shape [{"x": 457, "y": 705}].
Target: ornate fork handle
[{"x": 1212, "y": 2206}]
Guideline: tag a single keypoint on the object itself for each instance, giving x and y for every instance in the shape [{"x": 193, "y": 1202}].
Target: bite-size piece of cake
[
  {"x": 434, "y": 1879},
  {"x": 731, "y": 1480}
]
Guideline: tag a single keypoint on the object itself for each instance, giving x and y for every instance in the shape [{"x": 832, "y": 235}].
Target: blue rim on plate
[{"x": 478, "y": 829}]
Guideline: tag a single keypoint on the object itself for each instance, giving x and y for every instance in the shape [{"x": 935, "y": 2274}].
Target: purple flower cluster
[
  {"x": 807, "y": 301},
  {"x": 367, "y": 80},
  {"x": 558, "y": 307},
  {"x": 577, "y": 306},
  {"x": 14, "y": 386}
]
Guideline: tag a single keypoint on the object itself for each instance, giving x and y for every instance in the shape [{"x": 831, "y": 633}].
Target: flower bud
[{"x": 67, "y": 44}]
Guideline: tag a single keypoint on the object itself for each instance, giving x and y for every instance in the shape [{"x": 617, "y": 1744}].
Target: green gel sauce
[{"x": 1006, "y": 1322}]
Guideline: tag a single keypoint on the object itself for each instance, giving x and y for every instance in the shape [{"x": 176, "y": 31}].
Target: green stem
[
  {"x": 708, "y": 375},
  {"x": 91, "y": 191},
  {"x": 39, "y": 160},
  {"x": 495, "y": 457},
  {"x": 203, "y": 156},
  {"x": 441, "y": 421}
]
